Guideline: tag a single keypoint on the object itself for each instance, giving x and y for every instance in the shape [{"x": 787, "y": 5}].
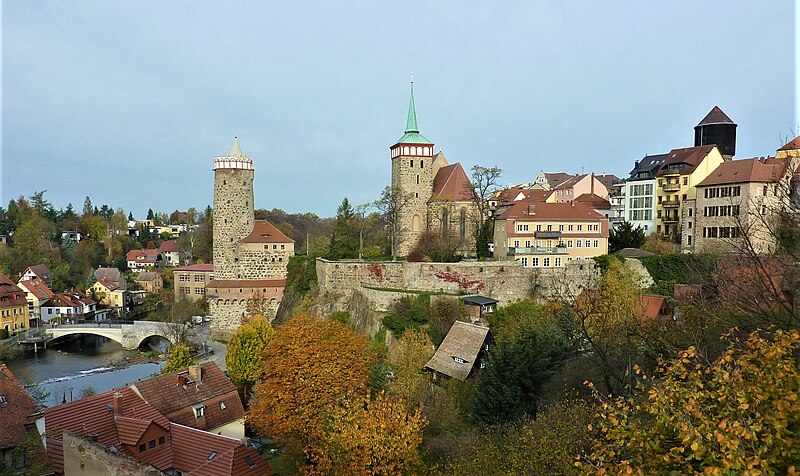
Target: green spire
[{"x": 411, "y": 123}]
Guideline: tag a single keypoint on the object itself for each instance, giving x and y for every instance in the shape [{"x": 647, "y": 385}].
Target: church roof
[
  {"x": 412, "y": 135},
  {"x": 716, "y": 116},
  {"x": 451, "y": 183}
]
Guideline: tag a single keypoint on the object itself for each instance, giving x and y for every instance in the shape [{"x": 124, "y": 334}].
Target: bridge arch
[
  {"x": 154, "y": 334},
  {"x": 107, "y": 333}
]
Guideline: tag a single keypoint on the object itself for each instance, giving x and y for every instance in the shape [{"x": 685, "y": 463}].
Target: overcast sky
[{"x": 129, "y": 102}]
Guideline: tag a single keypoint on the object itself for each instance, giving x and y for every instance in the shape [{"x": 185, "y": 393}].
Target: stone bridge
[{"x": 129, "y": 335}]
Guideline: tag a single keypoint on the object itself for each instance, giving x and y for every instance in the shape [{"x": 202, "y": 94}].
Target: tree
[
  {"x": 485, "y": 181},
  {"x": 344, "y": 238},
  {"x": 736, "y": 415},
  {"x": 407, "y": 359},
  {"x": 365, "y": 436},
  {"x": 655, "y": 243},
  {"x": 87, "y": 207},
  {"x": 130, "y": 216},
  {"x": 526, "y": 355},
  {"x": 392, "y": 205},
  {"x": 257, "y": 305},
  {"x": 246, "y": 346},
  {"x": 309, "y": 366},
  {"x": 625, "y": 235},
  {"x": 179, "y": 358},
  {"x": 150, "y": 214},
  {"x": 444, "y": 311}
]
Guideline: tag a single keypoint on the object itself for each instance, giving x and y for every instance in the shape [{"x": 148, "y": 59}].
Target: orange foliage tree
[
  {"x": 309, "y": 366},
  {"x": 738, "y": 415}
]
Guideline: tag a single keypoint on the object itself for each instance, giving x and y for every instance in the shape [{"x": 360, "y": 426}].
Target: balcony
[
  {"x": 548, "y": 235},
  {"x": 538, "y": 250},
  {"x": 671, "y": 203},
  {"x": 669, "y": 219},
  {"x": 616, "y": 220},
  {"x": 671, "y": 186}
]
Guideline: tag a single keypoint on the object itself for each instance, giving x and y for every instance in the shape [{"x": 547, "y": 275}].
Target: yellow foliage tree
[
  {"x": 408, "y": 358},
  {"x": 370, "y": 437},
  {"x": 738, "y": 415},
  {"x": 179, "y": 359},
  {"x": 245, "y": 357}
]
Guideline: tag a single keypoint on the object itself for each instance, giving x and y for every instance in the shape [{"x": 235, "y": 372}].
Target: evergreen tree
[
  {"x": 150, "y": 214},
  {"x": 625, "y": 236},
  {"x": 130, "y": 216},
  {"x": 87, "y": 207},
  {"x": 344, "y": 238}
]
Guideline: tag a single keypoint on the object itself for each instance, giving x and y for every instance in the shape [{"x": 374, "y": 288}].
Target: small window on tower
[
  {"x": 421, "y": 163},
  {"x": 412, "y": 162}
]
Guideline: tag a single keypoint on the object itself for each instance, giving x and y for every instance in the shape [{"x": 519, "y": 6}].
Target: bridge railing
[{"x": 93, "y": 325}]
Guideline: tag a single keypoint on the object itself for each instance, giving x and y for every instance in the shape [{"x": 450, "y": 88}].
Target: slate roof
[
  {"x": 756, "y": 169},
  {"x": 557, "y": 178},
  {"x": 167, "y": 395},
  {"x": 42, "y": 271},
  {"x": 648, "y": 167},
  {"x": 112, "y": 275},
  {"x": 608, "y": 180},
  {"x": 147, "y": 276},
  {"x": 17, "y": 409},
  {"x": 716, "y": 116},
  {"x": 463, "y": 341},
  {"x": 451, "y": 183},
  {"x": 479, "y": 300}
]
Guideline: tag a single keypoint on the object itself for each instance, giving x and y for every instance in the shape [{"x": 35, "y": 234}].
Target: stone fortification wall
[
  {"x": 506, "y": 281},
  {"x": 227, "y": 315},
  {"x": 258, "y": 264}
]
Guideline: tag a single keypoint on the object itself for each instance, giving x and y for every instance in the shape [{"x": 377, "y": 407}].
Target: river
[{"x": 64, "y": 370}]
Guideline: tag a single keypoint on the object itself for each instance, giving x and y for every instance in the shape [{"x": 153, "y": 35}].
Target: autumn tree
[
  {"x": 244, "y": 360},
  {"x": 309, "y": 366},
  {"x": 485, "y": 181},
  {"x": 392, "y": 205},
  {"x": 736, "y": 415},
  {"x": 407, "y": 359},
  {"x": 179, "y": 359},
  {"x": 371, "y": 437},
  {"x": 257, "y": 305}
]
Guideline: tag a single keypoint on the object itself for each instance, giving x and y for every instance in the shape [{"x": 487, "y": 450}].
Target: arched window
[
  {"x": 405, "y": 150},
  {"x": 425, "y": 151},
  {"x": 462, "y": 224},
  {"x": 413, "y": 151},
  {"x": 445, "y": 221},
  {"x": 415, "y": 223}
]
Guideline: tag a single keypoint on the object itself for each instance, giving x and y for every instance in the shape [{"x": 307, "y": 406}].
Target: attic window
[
  {"x": 3, "y": 399},
  {"x": 459, "y": 360},
  {"x": 211, "y": 456},
  {"x": 250, "y": 461},
  {"x": 222, "y": 406},
  {"x": 199, "y": 410}
]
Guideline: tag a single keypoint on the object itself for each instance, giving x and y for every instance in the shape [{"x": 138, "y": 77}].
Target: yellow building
[
  {"x": 14, "y": 316},
  {"x": 548, "y": 235},
  {"x": 107, "y": 294},
  {"x": 676, "y": 181}
]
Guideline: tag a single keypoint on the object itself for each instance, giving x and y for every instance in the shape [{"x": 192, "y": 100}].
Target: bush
[
  {"x": 3, "y": 333},
  {"x": 408, "y": 312},
  {"x": 341, "y": 316}
]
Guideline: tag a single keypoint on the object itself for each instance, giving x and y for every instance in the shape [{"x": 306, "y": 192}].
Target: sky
[{"x": 129, "y": 102}]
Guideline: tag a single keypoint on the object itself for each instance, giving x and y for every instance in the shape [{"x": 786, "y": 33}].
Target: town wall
[{"x": 506, "y": 281}]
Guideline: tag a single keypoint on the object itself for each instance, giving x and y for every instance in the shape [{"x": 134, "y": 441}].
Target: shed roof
[
  {"x": 479, "y": 300},
  {"x": 464, "y": 341}
]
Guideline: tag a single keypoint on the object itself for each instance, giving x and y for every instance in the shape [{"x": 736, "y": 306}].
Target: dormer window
[
  {"x": 459, "y": 360},
  {"x": 199, "y": 410}
]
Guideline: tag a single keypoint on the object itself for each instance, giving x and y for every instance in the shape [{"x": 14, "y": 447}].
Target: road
[{"x": 220, "y": 349}]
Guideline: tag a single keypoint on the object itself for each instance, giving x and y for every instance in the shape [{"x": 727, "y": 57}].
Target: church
[
  {"x": 250, "y": 256},
  {"x": 439, "y": 197}
]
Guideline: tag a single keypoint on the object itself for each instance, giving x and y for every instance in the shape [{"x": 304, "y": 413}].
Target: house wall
[
  {"x": 191, "y": 284},
  {"x": 82, "y": 456},
  {"x": 14, "y": 318},
  {"x": 234, "y": 429},
  {"x": 640, "y": 204}
]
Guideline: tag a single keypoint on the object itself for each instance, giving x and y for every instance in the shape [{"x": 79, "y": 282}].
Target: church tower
[
  {"x": 412, "y": 174},
  {"x": 717, "y": 129},
  {"x": 233, "y": 209}
]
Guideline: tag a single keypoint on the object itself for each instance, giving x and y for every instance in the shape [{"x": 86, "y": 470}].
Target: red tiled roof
[
  {"x": 533, "y": 211},
  {"x": 451, "y": 183},
  {"x": 652, "y": 307},
  {"x": 196, "y": 267},
  {"x": 593, "y": 200},
  {"x": 195, "y": 452},
  {"x": 37, "y": 287},
  {"x": 246, "y": 283},
  {"x": 131, "y": 429},
  {"x": 265, "y": 232},
  {"x": 111, "y": 286},
  {"x": 793, "y": 144},
  {"x": 18, "y": 410},
  {"x": 570, "y": 182},
  {"x": 143, "y": 256},
  {"x": 169, "y": 246},
  {"x": 691, "y": 156},
  {"x": 175, "y": 401},
  {"x": 756, "y": 169},
  {"x": 4, "y": 280},
  {"x": 10, "y": 294}
]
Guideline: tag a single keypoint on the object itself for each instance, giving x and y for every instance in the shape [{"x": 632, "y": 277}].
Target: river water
[{"x": 64, "y": 370}]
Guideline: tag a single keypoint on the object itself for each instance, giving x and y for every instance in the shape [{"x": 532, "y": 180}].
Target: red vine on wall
[
  {"x": 463, "y": 281},
  {"x": 376, "y": 270}
]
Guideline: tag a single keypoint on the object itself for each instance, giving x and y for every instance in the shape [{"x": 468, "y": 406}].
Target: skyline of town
[{"x": 312, "y": 112}]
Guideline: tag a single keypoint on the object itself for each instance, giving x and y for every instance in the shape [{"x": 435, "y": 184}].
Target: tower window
[
  {"x": 417, "y": 179},
  {"x": 224, "y": 182},
  {"x": 412, "y": 162},
  {"x": 421, "y": 163}
]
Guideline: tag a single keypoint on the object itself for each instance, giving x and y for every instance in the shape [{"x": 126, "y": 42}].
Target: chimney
[
  {"x": 195, "y": 373},
  {"x": 591, "y": 191},
  {"x": 117, "y": 403}
]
